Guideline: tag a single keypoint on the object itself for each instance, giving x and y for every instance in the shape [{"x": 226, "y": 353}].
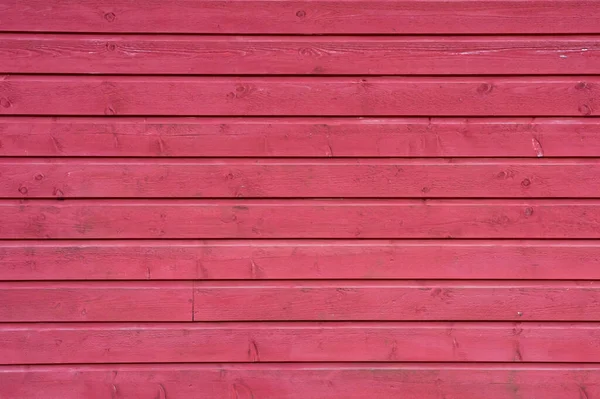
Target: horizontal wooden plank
[
  {"x": 260, "y": 178},
  {"x": 305, "y": 381},
  {"x": 304, "y": 17},
  {"x": 275, "y": 96},
  {"x": 218, "y": 55},
  {"x": 299, "y": 219},
  {"x": 341, "y": 300},
  {"x": 299, "y": 342},
  {"x": 25, "y": 302},
  {"x": 299, "y": 137},
  {"x": 305, "y": 259},
  {"x": 391, "y": 300}
]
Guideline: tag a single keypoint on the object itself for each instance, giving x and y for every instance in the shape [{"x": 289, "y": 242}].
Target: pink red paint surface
[{"x": 300, "y": 199}]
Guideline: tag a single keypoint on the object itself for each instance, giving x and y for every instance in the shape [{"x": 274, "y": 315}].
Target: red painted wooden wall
[{"x": 300, "y": 199}]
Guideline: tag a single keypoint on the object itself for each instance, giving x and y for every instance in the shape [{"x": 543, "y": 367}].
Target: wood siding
[{"x": 300, "y": 199}]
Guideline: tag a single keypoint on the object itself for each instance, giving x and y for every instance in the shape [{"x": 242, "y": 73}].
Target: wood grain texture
[
  {"x": 299, "y": 342},
  {"x": 318, "y": 381},
  {"x": 391, "y": 301},
  {"x": 260, "y": 178},
  {"x": 304, "y": 17},
  {"x": 320, "y": 96},
  {"x": 299, "y": 137},
  {"x": 218, "y": 55},
  {"x": 305, "y": 259},
  {"x": 87, "y": 219},
  {"x": 313, "y": 199},
  {"x": 35, "y": 302}
]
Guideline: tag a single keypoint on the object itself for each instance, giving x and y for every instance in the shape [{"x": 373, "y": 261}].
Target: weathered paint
[{"x": 299, "y": 199}]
